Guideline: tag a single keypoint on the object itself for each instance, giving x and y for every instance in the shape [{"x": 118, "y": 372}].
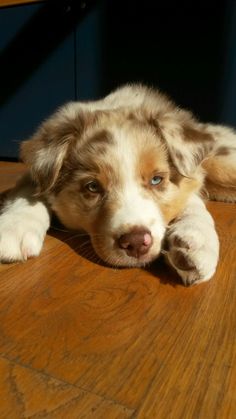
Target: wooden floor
[{"x": 79, "y": 340}]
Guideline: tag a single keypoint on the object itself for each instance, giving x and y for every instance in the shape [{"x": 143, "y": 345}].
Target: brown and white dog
[{"x": 130, "y": 170}]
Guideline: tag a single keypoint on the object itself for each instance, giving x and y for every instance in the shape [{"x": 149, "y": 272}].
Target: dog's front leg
[
  {"x": 24, "y": 221},
  {"x": 192, "y": 245}
]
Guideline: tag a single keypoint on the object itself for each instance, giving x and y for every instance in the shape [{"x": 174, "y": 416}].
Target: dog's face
[{"x": 113, "y": 174}]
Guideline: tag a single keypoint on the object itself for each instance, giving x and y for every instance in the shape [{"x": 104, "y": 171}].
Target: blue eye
[{"x": 156, "y": 180}]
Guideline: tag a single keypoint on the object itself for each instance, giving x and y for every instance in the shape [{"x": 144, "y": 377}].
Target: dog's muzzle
[{"x": 136, "y": 243}]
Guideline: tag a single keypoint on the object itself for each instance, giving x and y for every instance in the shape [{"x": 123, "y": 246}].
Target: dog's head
[{"x": 120, "y": 173}]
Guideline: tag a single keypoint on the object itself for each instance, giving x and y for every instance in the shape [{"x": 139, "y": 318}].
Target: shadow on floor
[{"x": 81, "y": 244}]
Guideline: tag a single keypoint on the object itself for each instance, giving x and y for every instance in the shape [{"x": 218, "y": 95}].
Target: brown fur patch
[
  {"x": 174, "y": 203},
  {"x": 153, "y": 162},
  {"x": 191, "y": 133},
  {"x": 101, "y": 138},
  {"x": 223, "y": 151}
]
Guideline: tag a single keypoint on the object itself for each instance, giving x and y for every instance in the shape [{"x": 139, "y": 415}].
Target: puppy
[{"x": 130, "y": 170}]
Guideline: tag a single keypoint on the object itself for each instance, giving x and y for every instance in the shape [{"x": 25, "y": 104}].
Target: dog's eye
[
  {"x": 156, "y": 180},
  {"x": 93, "y": 186}
]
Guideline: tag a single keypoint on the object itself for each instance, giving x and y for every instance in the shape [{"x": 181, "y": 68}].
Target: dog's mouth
[
  {"x": 118, "y": 259},
  {"x": 139, "y": 261}
]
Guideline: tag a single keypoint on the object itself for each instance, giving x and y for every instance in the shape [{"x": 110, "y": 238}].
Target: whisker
[
  {"x": 52, "y": 227},
  {"x": 86, "y": 243}
]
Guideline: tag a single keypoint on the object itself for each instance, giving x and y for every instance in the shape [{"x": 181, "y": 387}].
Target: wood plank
[
  {"x": 29, "y": 394},
  {"x": 17, "y": 2},
  {"x": 137, "y": 337},
  {"x": 10, "y": 173}
]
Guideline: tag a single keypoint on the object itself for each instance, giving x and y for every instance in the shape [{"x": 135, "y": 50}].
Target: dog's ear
[
  {"x": 188, "y": 141},
  {"x": 46, "y": 150}
]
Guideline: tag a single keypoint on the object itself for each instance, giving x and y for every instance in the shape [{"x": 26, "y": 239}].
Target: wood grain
[
  {"x": 17, "y": 2},
  {"x": 29, "y": 394},
  {"x": 136, "y": 341}
]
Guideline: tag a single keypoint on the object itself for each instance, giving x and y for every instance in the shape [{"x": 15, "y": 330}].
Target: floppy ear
[
  {"x": 46, "y": 151},
  {"x": 188, "y": 141}
]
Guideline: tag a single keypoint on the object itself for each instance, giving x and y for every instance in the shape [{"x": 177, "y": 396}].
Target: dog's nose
[{"x": 136, "y": 243}]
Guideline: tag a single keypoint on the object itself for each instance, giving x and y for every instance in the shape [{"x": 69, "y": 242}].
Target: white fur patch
[
  {"x": 196, "y": 229},
  {"x": 22, "y": 230}
]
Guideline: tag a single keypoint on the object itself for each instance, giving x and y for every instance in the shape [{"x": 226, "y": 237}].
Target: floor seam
[{"x": 22, "y": 365}]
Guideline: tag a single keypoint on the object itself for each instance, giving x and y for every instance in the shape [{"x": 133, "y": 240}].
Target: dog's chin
[{"x": 123, "y": 261}]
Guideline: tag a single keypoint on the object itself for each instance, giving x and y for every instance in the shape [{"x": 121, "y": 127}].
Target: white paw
[
  {"x": 193, "y": 251},
  {"x": 18, "y": 244},
  {"x": 22, "y": 230}
]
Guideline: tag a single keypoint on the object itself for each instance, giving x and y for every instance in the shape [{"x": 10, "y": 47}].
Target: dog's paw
[
  {"x": 193, "y": 253},
  {"x": 18, "y": 242},
  {"x": 22, "y": 230}
]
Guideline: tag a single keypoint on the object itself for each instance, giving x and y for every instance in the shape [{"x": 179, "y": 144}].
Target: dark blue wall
[
  {"x": 53, "y": 52},
  {"x": 49, "y": 54},
  {"x": 228, "y": 114},
  {"x": 187, "y": 48}
]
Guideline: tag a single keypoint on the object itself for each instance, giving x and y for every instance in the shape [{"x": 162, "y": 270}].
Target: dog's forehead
[
  {"x": 121, "y": 146},
  {"x": 121, "y": 135}
]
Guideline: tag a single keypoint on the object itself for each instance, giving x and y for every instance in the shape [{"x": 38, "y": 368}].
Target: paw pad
[{"x": 181, "y": 260}]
